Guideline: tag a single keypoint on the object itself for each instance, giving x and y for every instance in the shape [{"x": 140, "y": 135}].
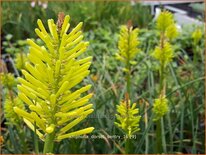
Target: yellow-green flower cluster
[
  {"x": 197, "y": 35},
  {"x": 128, "y": 118},
  {"x": 48, "y": 88},
  {"x": 160, "y": 107},
  {"x": 8, "y": 80},
  {"x": 127, "y": 45},
  {"x": 10, "y": 115},
  {"x": 166, "y": 25}
]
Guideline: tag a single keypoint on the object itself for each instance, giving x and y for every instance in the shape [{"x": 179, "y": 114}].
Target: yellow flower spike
[
  {"x": 160, "y": 107},
  {"x": 50, "y": 129},
  {"x": 164, "y": 20},
  {"x": 128, "y": 46},
  {"x": 9, "y": 114},
  {"x": 76, "y": 133},
  {"x": 128, "y": 117},
  {"x": 65, "y": 25},
  {"x": 49, "y": 87}
]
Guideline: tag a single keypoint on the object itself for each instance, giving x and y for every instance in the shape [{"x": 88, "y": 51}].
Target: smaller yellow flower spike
[
  {"x": 197, "y": 35},
  {"x": 160, "y": 107},
  {"x": 164, "y": 20},
  {"x": 164, "y": 55},
  {"x": 128, "y": 42},
  {"x": 8, "y": 80},
  {"x": 10, "y": 115},
  {"x": 128, "y": 118}
]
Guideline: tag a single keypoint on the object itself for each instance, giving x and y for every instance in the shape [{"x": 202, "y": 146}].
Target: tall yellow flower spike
[
  {"x": 127, "y": 45},
  {"x": 48, "y": 86},
  {"x": 168, "y": 31},
  {"x": 128, "y": 118}
]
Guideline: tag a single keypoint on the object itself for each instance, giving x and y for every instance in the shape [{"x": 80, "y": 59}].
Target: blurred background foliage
[{"x": 184, "y": 131}]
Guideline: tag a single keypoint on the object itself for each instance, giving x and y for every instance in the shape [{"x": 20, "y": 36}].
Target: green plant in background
[
  {"x": 48, "y": 89},
  {"x": 11, "y": 100},
  {"x": 13, "y": 121},
  {"x": 164, "y": 53}
]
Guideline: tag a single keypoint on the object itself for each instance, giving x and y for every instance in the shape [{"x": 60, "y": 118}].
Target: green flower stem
[
  {"x": 158, "y": 137},
  {"x": 127, "y": 145},
  {"x": 128, "y": 81},
  {"x": 49, "y": 143},
  {"x": 158, "y": 124}
]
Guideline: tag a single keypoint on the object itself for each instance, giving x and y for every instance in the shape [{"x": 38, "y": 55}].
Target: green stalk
[
  {"x": 128, "y": 81},
  {"x": 163, "y": 137},
  {"x": 158, "y": 123},
  {"x": 127, "y": 145},
  {"x": 36, "y": 144},
  {"x": 49, "y": 143},
  {"x": 158, "y": 137}
]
